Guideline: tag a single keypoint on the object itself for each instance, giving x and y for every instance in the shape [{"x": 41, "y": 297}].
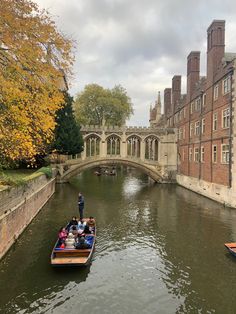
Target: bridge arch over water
[
  {"x": 74, "y": 168},
  {"x": 153, "y": 151}
]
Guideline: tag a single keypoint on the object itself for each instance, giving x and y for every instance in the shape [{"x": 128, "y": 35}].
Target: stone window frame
[
  {"x": 216, "y": 92},
  {"x": 152, "y": 148},
  {"x": 226, "y": 85},
  {"x": 196, "y": 154},
  {"x": 191, "y": 107},
  {"x": 214, "y": 154},
  {"x": 191, "y": 129},
  {"x": 197, "y": 128},
  {"x": 226, "y": 118},
  {"x": 198, "y": 104},
  {"x": 113, "y": 145},
  {"x": 215, "y": 121},
  {"x": 203, "y": 125},
  {"x": 92, "y": 145},
  {"x": 190, "y": 158},
  {"x": 224, "y": 154},
  {"x": 133, "y": 143},
  {"x": 204, "y": 100},
  {"x": 202, "y": 154}
]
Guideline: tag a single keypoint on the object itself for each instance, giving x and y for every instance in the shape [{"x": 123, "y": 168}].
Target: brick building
[{"x": 204, "y": 119}]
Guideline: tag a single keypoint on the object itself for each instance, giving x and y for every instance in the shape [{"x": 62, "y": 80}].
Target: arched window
[
  {"x": 133, "y": 146},
  {"x": 113, "y": 145},
  {"x": 151, "y": 148},
  {"x": 92, "y": 146}
]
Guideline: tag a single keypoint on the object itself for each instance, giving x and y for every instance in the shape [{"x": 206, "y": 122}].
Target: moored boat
[
  {"x": 71, "y": 256},
  {"x": 231, "y": 247}
]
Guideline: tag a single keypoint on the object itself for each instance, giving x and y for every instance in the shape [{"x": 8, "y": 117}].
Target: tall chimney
[
  {"x": 176, "y": 90},
  {"x": 215, "y": 47},
  {"x": 167, "y": 102},
  {"x": 193, "y": 72}
]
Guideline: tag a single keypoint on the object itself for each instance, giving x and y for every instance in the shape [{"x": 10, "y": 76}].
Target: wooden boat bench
[{"x": 72, "y": 252}]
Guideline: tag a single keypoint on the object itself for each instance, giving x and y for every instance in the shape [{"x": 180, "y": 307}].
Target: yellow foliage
[{"x": 34, "y": 59}]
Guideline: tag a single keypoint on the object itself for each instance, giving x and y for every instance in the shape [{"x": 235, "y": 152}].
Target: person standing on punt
[{"x": 81, "y": 205}]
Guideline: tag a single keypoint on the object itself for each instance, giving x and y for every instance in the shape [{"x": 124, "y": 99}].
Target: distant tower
[{"x": 155, "y": 113}]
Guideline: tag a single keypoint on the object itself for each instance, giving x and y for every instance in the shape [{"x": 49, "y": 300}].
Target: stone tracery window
[
  {"x": 151, "y": 148},
  {"x": 93, "y": 146},
  {"x": 133, "y": 146},
  {"x": 113, "y": 145}
]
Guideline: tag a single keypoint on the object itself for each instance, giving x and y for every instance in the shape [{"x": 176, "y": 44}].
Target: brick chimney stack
[
  {"x": 215, "y": 47},
  {"x": 176, "y": 90},
  {"x": 193, "y": 72},
  {"x": 167, "y": 102}
]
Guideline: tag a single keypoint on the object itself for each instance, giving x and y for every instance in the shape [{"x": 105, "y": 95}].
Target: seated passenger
[
  {"x": 73, "y": 222},
  {"x": 74, "y": 231},
  {"x": 81, "y": 224},
  {"x": 70, "y": 241},
  {"x": 62, "y": 235},
  {"x": 91, "y": 224},
  {"x": 82, "y": 243},
  {"x": 80, "y": 232},
  {"x": 86, "y": 229}
]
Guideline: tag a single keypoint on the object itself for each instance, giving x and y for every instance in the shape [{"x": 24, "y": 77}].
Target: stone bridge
[{"x": 152, "y": 150}]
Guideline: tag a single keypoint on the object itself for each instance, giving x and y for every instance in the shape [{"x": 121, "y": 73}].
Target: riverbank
[
  {"x": 219, "y": 193},
  {"x": 20, "y": 204}
]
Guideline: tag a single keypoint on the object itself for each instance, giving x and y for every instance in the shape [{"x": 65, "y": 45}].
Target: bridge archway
[
  {"x": 133, "y": 146},
  {"x": 113, "y": 145},
  {"x": 73, "y": 170},
  {"x": 152, "y": 147},
  {"x": 92, "y": 145}
]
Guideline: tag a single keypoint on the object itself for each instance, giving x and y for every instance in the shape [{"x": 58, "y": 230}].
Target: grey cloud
[{"x": 139, "y": 44}]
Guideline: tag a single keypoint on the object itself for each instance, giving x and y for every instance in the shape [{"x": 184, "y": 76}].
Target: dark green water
[{"x": 159, "y": 250}]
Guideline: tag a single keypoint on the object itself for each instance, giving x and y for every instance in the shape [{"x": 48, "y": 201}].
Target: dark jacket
[
  {"x": 72, "y": 223},
  {"x": 81, "y": 201},
  {"x": 82, "y": 244}
]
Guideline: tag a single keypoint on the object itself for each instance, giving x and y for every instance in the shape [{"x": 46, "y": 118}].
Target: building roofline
[{"x": 215, "y": 22}]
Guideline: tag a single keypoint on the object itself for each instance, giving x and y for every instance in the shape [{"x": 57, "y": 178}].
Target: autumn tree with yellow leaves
[{"x": 34, "y": 59}]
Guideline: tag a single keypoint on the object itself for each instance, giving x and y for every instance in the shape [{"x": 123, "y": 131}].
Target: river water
[{"x": 160, "y": 249}]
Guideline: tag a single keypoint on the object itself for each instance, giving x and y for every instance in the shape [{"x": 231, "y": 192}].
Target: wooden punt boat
[
  {"x": 231, "y": 247},
  {"x": 72, "y": 256}
]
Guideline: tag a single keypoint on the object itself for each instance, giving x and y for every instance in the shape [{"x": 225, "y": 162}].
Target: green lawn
[
  {"x": 21, "y": 176},
  {"x": 14, "y": 177}
]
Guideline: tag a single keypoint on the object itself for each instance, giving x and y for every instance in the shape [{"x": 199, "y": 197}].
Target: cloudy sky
[{"x": 139, "y": 44}]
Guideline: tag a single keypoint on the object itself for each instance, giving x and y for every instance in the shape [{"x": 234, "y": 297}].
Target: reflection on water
[{"x": 159, "y": 250}]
